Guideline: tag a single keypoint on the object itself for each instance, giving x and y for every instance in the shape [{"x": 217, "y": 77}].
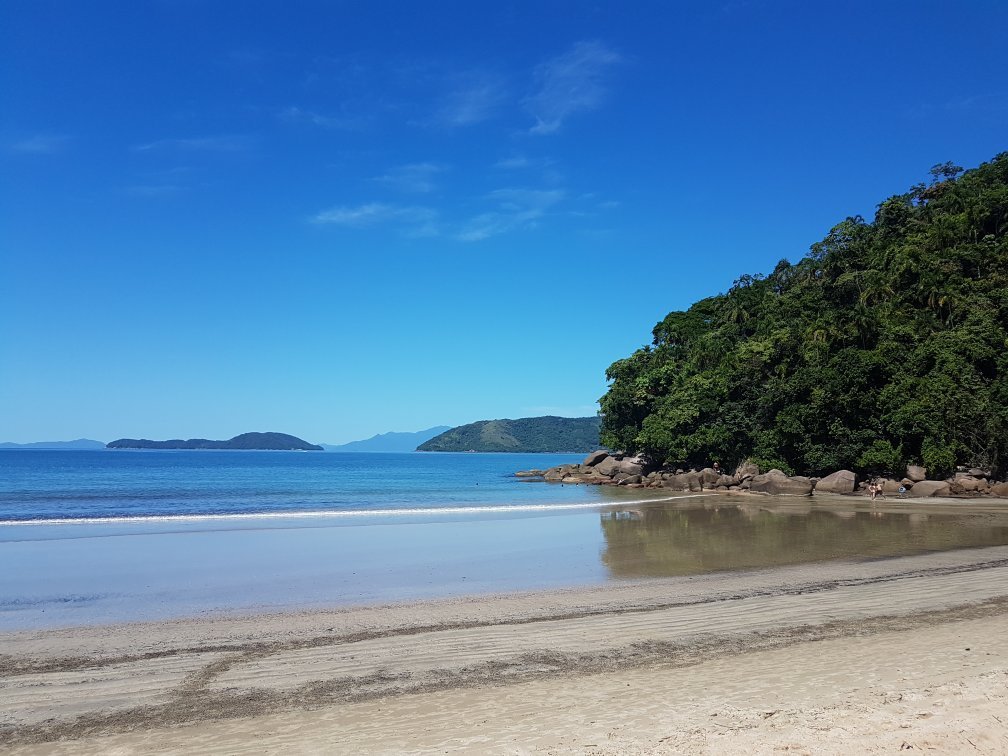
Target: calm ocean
[{"x": 41, "y": 485}]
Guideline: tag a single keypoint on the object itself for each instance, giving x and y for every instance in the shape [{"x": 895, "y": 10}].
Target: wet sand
[{"x": 829, "y": 658}]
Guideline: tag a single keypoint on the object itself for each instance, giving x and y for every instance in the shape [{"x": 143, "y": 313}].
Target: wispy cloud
[
  {"x": 415, "y": 178},
  {"x": 523, "y": 162},
  {"x": 413, "y": 220},
  {"x": 295, "y": 114},
  {"x": 153, "y": 190},
  {"x": 221, "y": 143},
  {"x": 471, "y": 98},
  {"x": 575, "y": 82},
  {"x": 41, "y": 144},
  {"x": 515, "y": 208}
]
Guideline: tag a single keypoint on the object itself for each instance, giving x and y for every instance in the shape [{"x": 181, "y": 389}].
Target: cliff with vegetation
[
  {"x": 529, "y": 434},
  {"x": 246, "y": 442},
  {"x": 886, "y": 345}
]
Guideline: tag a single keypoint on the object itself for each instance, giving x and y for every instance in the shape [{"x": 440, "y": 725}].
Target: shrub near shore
[{"x": 886, "y": 345}]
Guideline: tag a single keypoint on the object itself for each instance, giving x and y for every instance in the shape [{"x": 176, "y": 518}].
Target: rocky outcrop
[
  {"x": 840, "y": 482},
  {"x": 928, "y": 488},
  {"x": 778, "y": 483},
  {"x": 617, "y": 469},
  {"x": 607, "y": 467},
  {"x": 969, "y": 484},
  {"x": 594, "y": 458},
  {"x": 916, "y": 473}
]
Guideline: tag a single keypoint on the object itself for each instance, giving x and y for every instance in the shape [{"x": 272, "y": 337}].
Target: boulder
[
  {"x": 554, "y": 475},
  {"x": 969, "y": 483},
  {"x": 776, "y": 482},
  {"x": 710, "y": 477},
  {"x": 631, "y": 467},
  {"x": 607, "y": 467},
  {"x": 976, "y": 472},
  {"x": 916, "y": 473},
  {"x": 629, "y": 480},
  {"x": 999, "y": 489},
  {"x": 927, "y": 488},
  {"x": 745, "y": 471},
  {"x": 840, "y": 482},
  {"x": 890, "y": 486},
  {"x": 691, "y": 481},
  {"x": 594, "y": 458},
  {"x": 724, "y": 481}
]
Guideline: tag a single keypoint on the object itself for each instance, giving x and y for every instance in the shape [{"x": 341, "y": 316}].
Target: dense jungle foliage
[{"x": 886, "y": 345}]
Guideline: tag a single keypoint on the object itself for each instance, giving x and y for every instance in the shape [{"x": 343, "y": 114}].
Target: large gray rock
[
  {"x": 725, "y": 481},
  {"x": 594, "y": 458},
  {"x": 710, "y": 477},
  {"x": 927, "y": 488},
  {"x": 776, "y": 482},
  {"x": 690, "y": 481},
  {"x": 890, "y": 486},
  {"x": 969, "y": 483},
  {"x": 916, "y": 473},
  {"x": 607, "y": 467},
  {"x": 745, "y": 471},
  {"x": 631, "y": 467},
  {"x": 976, "y": 472},
  {"x": 840, "y": 482}
]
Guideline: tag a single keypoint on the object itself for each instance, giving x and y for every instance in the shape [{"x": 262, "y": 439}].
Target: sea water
[{"x": 106, "y": 536}]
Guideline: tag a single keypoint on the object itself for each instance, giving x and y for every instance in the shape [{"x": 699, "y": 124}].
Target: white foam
[{"x": 344, "y": 513}]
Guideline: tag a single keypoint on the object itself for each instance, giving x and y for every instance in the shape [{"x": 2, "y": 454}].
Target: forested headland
[
  {"x": 527, "y": 434},
  {"x": 886, "y": 345},
  {"x": 242, "y": 442}
]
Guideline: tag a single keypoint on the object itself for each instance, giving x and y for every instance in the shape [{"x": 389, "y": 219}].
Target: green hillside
[
  {"x": 529, "y": 434},
  {"x": 245, "y": 441},
  {"x": 886, "y": 344}
]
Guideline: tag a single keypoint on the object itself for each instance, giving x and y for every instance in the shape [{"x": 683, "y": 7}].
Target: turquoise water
[
  {"x": 94, "y": 537},
  {"x": 87, "y": 485}
]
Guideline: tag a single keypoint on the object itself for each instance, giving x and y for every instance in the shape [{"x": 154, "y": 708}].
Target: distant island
[
  {"x": 528, "y": 434},
  {"x": 78, "y": 444},
  {"x": 389, "y": 442},
  {"x": 246, "y": 442}
]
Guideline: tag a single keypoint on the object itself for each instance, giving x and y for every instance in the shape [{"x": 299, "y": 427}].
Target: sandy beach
[{"x": 876, "y": 656}]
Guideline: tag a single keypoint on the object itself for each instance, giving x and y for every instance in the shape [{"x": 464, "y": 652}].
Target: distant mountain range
[
  {"x": 246, "y": 441},
  {"x": 389, "y": 442},
  {"x": 80, "y": 443},
  {"x": 528, "y": 434}
]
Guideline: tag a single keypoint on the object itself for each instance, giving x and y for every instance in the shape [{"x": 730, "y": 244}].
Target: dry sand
[{"x": 896, "y": 654}]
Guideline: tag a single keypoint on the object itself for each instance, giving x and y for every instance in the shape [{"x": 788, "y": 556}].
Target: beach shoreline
[{"x": 212, "y": 684}]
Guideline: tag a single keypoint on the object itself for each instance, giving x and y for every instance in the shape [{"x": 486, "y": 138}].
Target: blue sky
[{"x": 338, "y": 219}]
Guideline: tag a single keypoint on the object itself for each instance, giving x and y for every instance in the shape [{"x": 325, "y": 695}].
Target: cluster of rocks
[
  {"x": 616, "y": 469},
  {"x": 965, "y": 482}
]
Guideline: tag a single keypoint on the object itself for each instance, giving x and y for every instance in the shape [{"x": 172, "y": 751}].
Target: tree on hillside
[{"x": 886, "y": 344}]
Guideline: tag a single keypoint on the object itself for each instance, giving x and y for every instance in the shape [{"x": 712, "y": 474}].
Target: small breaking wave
[{"x": 343, "y": 513}]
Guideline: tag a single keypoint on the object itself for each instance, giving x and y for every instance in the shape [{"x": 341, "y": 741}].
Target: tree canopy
[{"x": 887, "y": 344}]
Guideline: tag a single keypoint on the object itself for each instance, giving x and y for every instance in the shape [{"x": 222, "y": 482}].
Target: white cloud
[
  {"x": 153, "y": 190},
  {"x": 516, "y": 208},
  {"x": 574, "y": 82},
  {"x": 416, "y": 221},
  {"x": 416, "y": 178},
  {"x": 472, "y": 98},
  {"x": 41, "y": 144},
  {"x": 295, "y": 114},
  {"x": 223, "y": 143}
]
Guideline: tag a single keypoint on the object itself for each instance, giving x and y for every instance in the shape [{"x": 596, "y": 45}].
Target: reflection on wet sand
[{"x": 684, "y": 538}]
